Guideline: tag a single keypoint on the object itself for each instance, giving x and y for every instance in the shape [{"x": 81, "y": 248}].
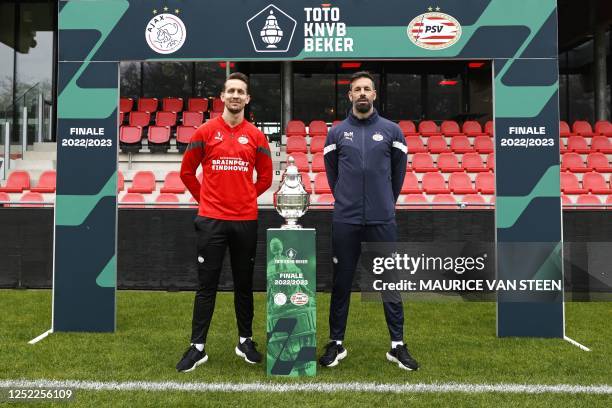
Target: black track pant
[
  {"x": 214, "y": 236},
  {"x": 346, "y": 248}
]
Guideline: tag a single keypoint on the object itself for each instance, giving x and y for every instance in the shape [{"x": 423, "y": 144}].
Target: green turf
[{"x": 454, "y": 342}]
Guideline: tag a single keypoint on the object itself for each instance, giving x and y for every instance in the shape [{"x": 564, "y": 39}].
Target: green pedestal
[{"x": 292, "y": 310}]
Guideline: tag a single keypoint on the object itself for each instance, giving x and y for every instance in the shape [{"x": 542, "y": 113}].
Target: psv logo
[{"x": 434, "y": 31}]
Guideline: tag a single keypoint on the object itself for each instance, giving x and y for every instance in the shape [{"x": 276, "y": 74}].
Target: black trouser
[
  {"x": 346, "y": 248},
  {"x": 214, "y": 236}
]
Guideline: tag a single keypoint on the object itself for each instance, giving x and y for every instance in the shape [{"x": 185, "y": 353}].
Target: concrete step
[
  {"x": 33, "y": 165},
  {"x": 40, "y": 155},
  {"x": 45, "y": 147}
]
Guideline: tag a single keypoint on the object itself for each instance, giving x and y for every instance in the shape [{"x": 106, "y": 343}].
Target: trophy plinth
[{"x": 291, "y": 200}]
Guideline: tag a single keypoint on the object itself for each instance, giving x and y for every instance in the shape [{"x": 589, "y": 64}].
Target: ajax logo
[
  {"x": 434, "y": 30},
  {"x": 280, "y": 299},
  {"x": 165, "y": 33},
  {"x": 271, "y": 30}
]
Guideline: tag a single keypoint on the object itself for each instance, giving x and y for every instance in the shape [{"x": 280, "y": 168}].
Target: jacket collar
[{"x": 354, "y": 120}]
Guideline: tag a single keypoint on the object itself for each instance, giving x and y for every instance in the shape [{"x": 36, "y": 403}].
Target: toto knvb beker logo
[
  {"x": 434, "y": 31},
  {"x": 271, "y": 30},
  {"x": 165, "y": 33}
]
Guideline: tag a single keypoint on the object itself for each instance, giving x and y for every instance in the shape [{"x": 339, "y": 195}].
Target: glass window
[
  {"x": 563, "y": 101},
  {"x": 314, "y": 97},
  {"x": 209, "y": 79},
  {"x": 167, "y": 79},
  {"x": 582, "y": 102},
  {"x": 130, "y": 79},
  {"x": 403, "y": 98},
  {"x": 265, "y": 105},
  {"x": 7, "y": 45},
  {"x": 444, "y": 97}
]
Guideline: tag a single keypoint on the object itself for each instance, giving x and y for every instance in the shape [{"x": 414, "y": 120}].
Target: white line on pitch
[{"x": 312, "y": 387}]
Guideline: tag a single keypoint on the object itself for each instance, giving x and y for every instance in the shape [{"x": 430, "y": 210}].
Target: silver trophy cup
[{"x": 291, "y": 199}]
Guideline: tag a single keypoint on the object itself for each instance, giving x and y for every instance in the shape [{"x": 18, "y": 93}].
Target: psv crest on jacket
[{"x": 365, "y": 161}]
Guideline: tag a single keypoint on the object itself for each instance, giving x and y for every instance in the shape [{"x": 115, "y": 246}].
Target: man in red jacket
[{"x": 228, "y": 148}]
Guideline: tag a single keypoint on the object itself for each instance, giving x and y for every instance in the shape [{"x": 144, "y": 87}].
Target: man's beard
[
  {"x": 362, "y": 106},
  {"x": 234, "y": 111}
]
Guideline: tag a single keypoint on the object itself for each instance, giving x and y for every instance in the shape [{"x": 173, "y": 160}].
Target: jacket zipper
[{"x": 363, "y": 175}]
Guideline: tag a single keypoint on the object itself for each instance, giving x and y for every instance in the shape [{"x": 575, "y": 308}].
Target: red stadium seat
[
  {"x": 595, "y": 183},
  {"x": 173, "y": 183},
  {"x": 428, "y": 128},
  {"x": 296, "y": 128},
  {"x": 483, "y": 144},
  {"x": 472, "y": 162},
  {"x": 163, "y": 118},
  {"x": 589, "y": 201},
  {"x": 564, "y": 129},
  {"x": 423, "y": 162},
  {"x": 316, "y": 144},
  {"x": 325, "y": 199},
  {"x": 306, "y": 182},
  {"x": 120, "y": 181},
  {"x": 317, "y": 128},
  {"x": 437, "y": 144},
  {"x": 582, "y": 128},
  {"x": 183, "y": 136},
  {"x": 434, "y": 183},
  {"x": 159, "y": 138},
  {"x": 132, "y": 199},
  {"x": 296, "y": 144},
  {"x": 444, "y": 199},
  {"x": 417, "y": 201},
  {"x": 197, "y": 104},
  {"x": 192, "y": 118},
  {"x": 126, "y": 105},
  {"x": 214, "y": 115},
  {"x": 471, "y": 202},
  {"x": 574, "y": 163},
  {"x": 301, "y": 161},
  {"x": 318, "y": 163},
  {"x": 143, "y": 182},
  {"x": 598, "y": 162},
  {"x": 415, "y": 144},
  {"x": 565, "y": 200},
  {"x": 46, "y": 182},
  {"x": 17, "y": 181},
  {"x": 485, "y": 183},
  {"x": 140, "y": 119},
  {"x": 411, "y": 184},
  {"x": 30, "y": 197},
  {"x": 147, "y": 105},
  {"x": 570, "y": 184},
  {"x": 609, "y": 200},
  {"x": 450, "y": 128},
  {"x": 448, "y": 162},
  {"x": 130, "y": 134},
  {"x": 408, "y": 128},
  {"x": 461, "y": 144},
  {"x": 491, "y": 161},
  {"x": 461, "y": 183},
  {"x": 321, "y": 186},
  {"x": 172, "y": 104},
  {"x": 217, "y": 105},
  {"x": 167, "y": 198},
  {"x": 601, "y": 144},
  {"x": 473, "y": 128},
  {"x": 603, "y": 127},
  {"x": 489, "y": 128},
  {"x": 577, "y": 144},
  {"x": 4, "y": 197}
]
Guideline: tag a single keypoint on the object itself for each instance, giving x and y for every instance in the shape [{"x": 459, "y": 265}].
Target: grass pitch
[{"x": 455, "y": 342}]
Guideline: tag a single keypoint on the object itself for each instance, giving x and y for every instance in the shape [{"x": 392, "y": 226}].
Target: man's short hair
[
  {"x": 239, "y": 76},
  {"x": 361, "y": 74}
]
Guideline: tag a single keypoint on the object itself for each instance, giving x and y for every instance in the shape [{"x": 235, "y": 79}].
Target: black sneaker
[
  {"x": 402, "y": 357},
  {"x": 248, "y": 351},
  {"x": 334, "y": 352},
  {"x": 191, "y": 359}
]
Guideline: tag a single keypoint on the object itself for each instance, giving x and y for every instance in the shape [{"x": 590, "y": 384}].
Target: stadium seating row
[{"x": 170, "y": 105}]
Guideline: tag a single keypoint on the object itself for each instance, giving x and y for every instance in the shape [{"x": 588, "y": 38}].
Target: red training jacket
[{"x": 228, "y": 156}]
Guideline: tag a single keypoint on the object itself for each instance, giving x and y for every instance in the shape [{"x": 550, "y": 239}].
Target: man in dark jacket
[{"x": 365, "y": 160}]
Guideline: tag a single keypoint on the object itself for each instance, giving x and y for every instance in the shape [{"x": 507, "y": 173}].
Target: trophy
[{"x": 291, "y": 200}]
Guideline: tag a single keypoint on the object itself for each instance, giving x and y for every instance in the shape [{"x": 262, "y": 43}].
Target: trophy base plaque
[{"x": 292, "y": 312}]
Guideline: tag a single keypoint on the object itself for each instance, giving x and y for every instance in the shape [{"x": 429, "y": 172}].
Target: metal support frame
[
  {"x": 39, "y": 133},
  {"x": 24, "y": 132},
  {"x": 287, "y": 70},
  {"x": 7, "y": 150}
]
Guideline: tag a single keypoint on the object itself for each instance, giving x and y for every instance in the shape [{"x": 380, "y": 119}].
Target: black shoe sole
[{"x": 243, "y": 355}]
